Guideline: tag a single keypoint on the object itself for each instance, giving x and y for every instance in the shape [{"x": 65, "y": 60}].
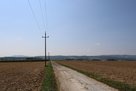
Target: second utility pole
[{"x": 45, "y": 47}]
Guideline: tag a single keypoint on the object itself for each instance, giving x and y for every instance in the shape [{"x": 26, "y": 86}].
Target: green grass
[
  {"x": 115, "y": 84},
  {"x": 49, "y": 82}
]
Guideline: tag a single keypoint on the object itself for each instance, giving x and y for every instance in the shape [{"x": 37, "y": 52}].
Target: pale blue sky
[{"x": 75, "y": 27}]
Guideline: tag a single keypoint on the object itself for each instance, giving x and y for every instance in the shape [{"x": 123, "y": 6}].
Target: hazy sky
[{"x": 75, "y": 27}]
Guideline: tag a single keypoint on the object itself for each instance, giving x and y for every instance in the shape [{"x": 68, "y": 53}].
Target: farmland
[
  {"x": 123, "y": 71},
  {"x": 21, "y": 76}
]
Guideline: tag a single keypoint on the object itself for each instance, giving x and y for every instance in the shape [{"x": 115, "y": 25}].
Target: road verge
[{"x": 49, "y": 82}]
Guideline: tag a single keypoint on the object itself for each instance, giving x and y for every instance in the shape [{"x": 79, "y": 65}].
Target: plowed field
[
  {"x": 21, "y": 76},
  {"x": 119, "y": 71}
]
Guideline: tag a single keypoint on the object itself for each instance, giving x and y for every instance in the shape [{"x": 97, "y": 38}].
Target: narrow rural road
[{"x": 70, "y": 80}]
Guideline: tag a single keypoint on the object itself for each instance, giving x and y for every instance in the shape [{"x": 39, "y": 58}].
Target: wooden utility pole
[{"x": 45, "y": 37}]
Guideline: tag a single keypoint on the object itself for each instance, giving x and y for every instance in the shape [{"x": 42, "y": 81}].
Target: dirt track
[
  {"x": 122, "y": 71},
  {"x": 70, "y": 80},
  {"x": 21, "y": 76}
]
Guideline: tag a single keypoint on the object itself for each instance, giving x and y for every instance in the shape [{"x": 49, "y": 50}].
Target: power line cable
[
  {"x": 34, "y": 15},
  {"x": 46, "y": 19},
  {"x": 42, "y": 15}
]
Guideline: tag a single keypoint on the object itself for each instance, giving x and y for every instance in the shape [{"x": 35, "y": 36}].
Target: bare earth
[
  {"x": 21, "y": 76},
  {"x": 70, "y": 80}
]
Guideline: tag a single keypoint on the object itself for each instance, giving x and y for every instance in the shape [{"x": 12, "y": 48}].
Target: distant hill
[
  {"x": 18, "y": 56},
  {"x": 101, "y": 57}
]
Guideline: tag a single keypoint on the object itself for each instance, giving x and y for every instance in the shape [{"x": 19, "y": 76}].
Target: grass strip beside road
[
  {"x": 115, "y": 84},
  {"x": 49, "y": 82}
]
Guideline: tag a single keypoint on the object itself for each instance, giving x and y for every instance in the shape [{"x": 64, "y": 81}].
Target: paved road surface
[{"x": 70, "y": 80}]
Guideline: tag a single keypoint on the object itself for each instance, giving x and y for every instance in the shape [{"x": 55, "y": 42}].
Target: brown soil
[
  {"x": 21, "y": 76},
  {"x": 119, "y": 71}
]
